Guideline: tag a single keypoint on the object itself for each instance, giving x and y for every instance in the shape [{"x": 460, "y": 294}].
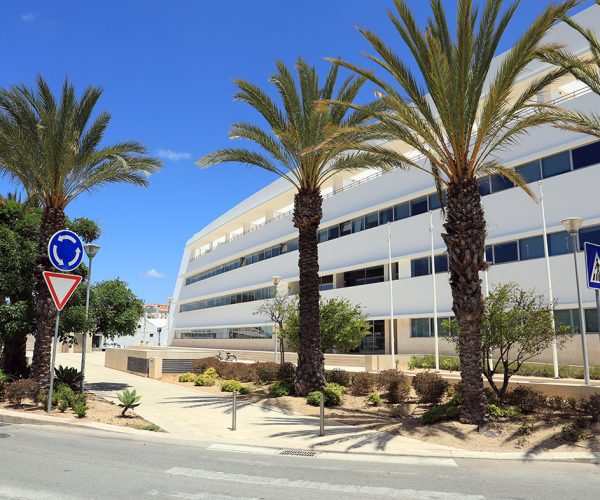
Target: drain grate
[
  {"x": 298, "y": 453},
  {"x": 4, "y": 435}
]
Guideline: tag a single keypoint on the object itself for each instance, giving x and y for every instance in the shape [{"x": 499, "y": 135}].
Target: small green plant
[
  {"x": 333, "y": 395},
  {"x": 526, "y": 428},
  {"x": 246, "y": 389},
  {"x": 504, "y": 411},
  {"x": 146, "y": 427},
  {"x": 187, "y": 377},
  {"x": 68, "y": 376},
  {"x": 448, "y": 411},
  {"x": 230, "y": 386},
  {"x": 287, "y": 375},
  {"x": 279, "y": 389},
  {"x": 207, "y": 378},
  {"x": 63, "y": 405},
  {"x": 129, "y": 400},
  {"x": 571, "y": 433},
  {"x": 374, "y": 399},
  {"x": 80, "y": 409},
  {"x": 3, "y": 377},
  {"x": 314, "y": 398}
]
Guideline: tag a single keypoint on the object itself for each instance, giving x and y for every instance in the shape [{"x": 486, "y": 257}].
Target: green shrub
[
  {"x": 230, "y": 386},
  {"x": 396, "y": 386},
  {"x": 17, "y": 391},
  {"x": 450, "y": 363},
  {"x": 202, "y": 364},
  {"x": 129, "y": 400},
  {"x": 374, "y": 399},
  {"x": 440, "y": 413},
  {"x": 246, "y": 389},
  {"x": 504, "y": 411},
  {"x": 528, "y": 400},
  {"x": 337, "y": 376},
  {"x": 3, "y": 377},
  {"x": 63, "y": 396},
  {"x": 363, "y": 383},
  {"x": 430, "y": 387},
  {"x": 279, "y": 389},
  {"x": 591, "y": 407},
  {"x": 77, "y": 398},
  {"x": 207, "y": 378},
  {"x": 287, "y": 375},
  {"x": 333, "y": 395},
  {"x": 68, "y": 376},
  {"x": 571, "y": 432},
  {"x": 146, "y": 427},
  {"x": 187, "y": 377},
  {"x": 314, "y": 398},
  {"x": 266, "y": 372},
  {"x": 81, "y": 409},
  {"x": 63, "y": 405}
]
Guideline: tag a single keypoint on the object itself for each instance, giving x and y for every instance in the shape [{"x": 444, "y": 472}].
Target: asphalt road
[{"x": 51, "y": 462}]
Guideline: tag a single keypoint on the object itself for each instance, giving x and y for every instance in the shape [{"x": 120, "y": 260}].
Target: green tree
[
  {"x": 296, "y": 145},
  {"x": 276, "y": 311},
  {"x": 52, "y": 146},
  {"x": 343, "y": 325},
  {"x": 517, "y": 326},
  {"x": 464, "y": 113}
]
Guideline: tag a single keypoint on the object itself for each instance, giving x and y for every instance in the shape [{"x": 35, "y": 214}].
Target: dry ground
[{"x": 529, "y": 433}]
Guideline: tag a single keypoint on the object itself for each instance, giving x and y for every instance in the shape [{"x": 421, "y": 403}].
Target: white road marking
[
  {"x": 314, "y": 485},
  {"x": 196, "y": 496},
  {"x": 28, "y": 494},
  {"x": 243, "y": 449}
]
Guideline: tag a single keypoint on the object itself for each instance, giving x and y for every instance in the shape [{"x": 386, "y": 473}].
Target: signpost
[
  {"x": 65, "y": 251},
  {"x": 592, "y": 266}
]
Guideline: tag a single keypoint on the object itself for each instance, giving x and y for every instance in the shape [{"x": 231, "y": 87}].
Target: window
[
  {"x": 506, "y": 252},
  {"x": 334, "y": 232},
  {"x": 530, "y": 171},
  {"x": 484, "y": 186},
  {"x": 556, "y": 164},
  {"x": 586, "y": 155},
  {"x": 441, "y": 263},
  {"x": 371, "y": 220},
  {"x": 419, "y": 267},
  {"x": 358, "y": 224},
  {"x": 567, "y": 318},
  {"x": 363, "y": 276},
  {"x": 249, "y": 296},
  {"x": 375, "y": 341},
  {"x": 559, "y": 243},
  {"x": 345, "y": 228},
  {"x": 326, "y": 282},
  {"x": 489, "y": 254},
  {"x": 322, "y": 235},
  {"x": 259, "y": 332},
  {"x": 401, "y": 211},
  {"x": 386, "y": 216},
  {"x": 531, "y": 248},
  {"x": 374, "y": 274},
  {"x": 420, "y": 327},
  {"x": 500, "y": 183},
  {"x": 589, "y": 234},
  {"x": 434, "y": 200},
  {"x": 418, "y": 206}
]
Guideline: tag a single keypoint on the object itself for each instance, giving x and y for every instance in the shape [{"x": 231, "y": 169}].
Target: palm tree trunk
[
  {"x": 53, "y": 219},
  {"x": 307, "y": 216},
  {"x": 465, "y": 238},
  {"x": 14, "y": 356}
]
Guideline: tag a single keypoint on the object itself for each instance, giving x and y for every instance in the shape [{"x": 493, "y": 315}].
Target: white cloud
[
  {"x": 28, "y": 17},
  {"x": 168, "y": 154},
  {"x": 153, "y": 273}
]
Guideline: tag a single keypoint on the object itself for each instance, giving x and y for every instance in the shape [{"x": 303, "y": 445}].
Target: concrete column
[
  {"x": 338, "y": 280},
  {"x": 404, "y": 269},
  {"x": 155, "y": 368}
]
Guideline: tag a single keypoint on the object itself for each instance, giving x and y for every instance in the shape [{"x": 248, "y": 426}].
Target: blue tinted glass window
[
  {"x": 358, "y": 225},
  {"x": 556, "y": 164},
  {"x": 401, "y": 211},
  {"x": 531, "y": 248},
  {"x": 484, "y": 186},
  {"x": 489, "y": 254},
  {"x": 434, "y": 201},
  {"x": 441, "y": 263},
  {"x": 345, "y": 228},
  {"x": 500, "y": 183},
  {"x": 589, "y": 234},
  {"x": 418, "y": 206},
  {"x": 371, "y": 220},
  {"x": 586, "y": 155},
  {"x": 591, "y": 320},
  {"x": 530, "y": 171},
  {"x": 506, "y": 252},
  {"x": 420, "y": 327},
  {"x": 559, "y": 243},
  {"x": 322, "y": 235},
  {"x": 334, "y": 232},
  {"x": 386, "y": 216},
  {"x": 419, "y": 267}
]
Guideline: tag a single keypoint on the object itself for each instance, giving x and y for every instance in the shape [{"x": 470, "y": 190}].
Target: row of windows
[
  {"x": 236, "y": 298},
  {"x": 258, "y": 332},
  {"x": 549, "y": 166},
  {"x": 425, "y": 327},
  {"x": 326, "y": 282},
  {"x": 363, "y": 276}
]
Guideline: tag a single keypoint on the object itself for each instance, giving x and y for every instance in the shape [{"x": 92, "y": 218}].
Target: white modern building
[{"x": 227, "y": 267}]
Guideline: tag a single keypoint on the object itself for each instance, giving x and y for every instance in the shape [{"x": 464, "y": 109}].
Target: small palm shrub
[
  {"x": 129, "y": 400},
  {"x": 230, "y": 386},
  {"x": 430, "y": 387},
  {"x": 279, "y": 389},
  {"x": 374, "y": 399},
  {"x": 333, "y": 395},
  {"x": 337, "y": 376},
  {"x": 287, "y": 374},
  {"x": 68, "y": 376},
  {"x": 266, "y": 372},
  {"x": 187, "y": 377},
  {"x": 363, "y": 383},
  {"x": 17, "y": 391},
  {"x": 207, "y": 378}
]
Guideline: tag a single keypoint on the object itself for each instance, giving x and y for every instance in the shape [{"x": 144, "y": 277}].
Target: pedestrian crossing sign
[{"x": 592, "y": 261}]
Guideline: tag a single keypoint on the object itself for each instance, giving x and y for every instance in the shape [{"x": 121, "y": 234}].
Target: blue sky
[{"x": 167, "y": 70}]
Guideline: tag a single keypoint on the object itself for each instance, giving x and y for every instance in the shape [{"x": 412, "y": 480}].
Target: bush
[
  {"x": 333, "y": 395},
  {"x": 207, "y": 378},
  {"x": 374, "y": 399},
  {"x": 129, "y": 400},
  {"x": 287, "y": 375},
  {"x": 571, "y": 432},
  {"x": 230, "y": 386},
  {"x": 450, "y": 363},
  {"x": 243, "y": 372},
  {"x": 81, "y": 409},
  {"x": 591, "y": 407},
  {"x": 3, "y": 377},
  {"x": 363, "y": 383},
  {"x": 246, "y": 389},
  {"x": 68, "y": 376},
  {"x": 314, "y": 398},
  {"x": 266, "y": 372},
  {"x": 17, "y": 391},
  {"x": 440, "y": 413},
  {"x": 430, "y": 387},
  {"x": 337, "y": 376},
  {"x": 63, "y": 393},
  {"x": 505, "y": 411},
  {"x": 528, "y": 400},
  {"x": 396, "y": 386},
  {"x": 63, "y": 405},
  {"x": 187, "y": 377},
  {"x": 202, "y": 364},
  {"x": 279, "y": 389}
]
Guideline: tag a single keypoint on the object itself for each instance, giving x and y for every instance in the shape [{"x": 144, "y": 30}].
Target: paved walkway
[{"x": 188, "y": 413}]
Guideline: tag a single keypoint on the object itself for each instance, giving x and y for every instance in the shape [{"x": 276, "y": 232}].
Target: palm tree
[
  {"x": 585, "y": 69},
  {"x": 292, "y": 147},
  {"x": 52, "y": 147},
  {"x": 464, "y": 113}
]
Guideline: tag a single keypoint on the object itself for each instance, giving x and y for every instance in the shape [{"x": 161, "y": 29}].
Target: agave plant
[{"x": 129, "y": 400}]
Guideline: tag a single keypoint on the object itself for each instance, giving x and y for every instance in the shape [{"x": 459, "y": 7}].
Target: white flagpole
[
  {"x": 392, "y": 332},
  {"x": 549, "y": 276},
  {"x": 435, "y": 314}
]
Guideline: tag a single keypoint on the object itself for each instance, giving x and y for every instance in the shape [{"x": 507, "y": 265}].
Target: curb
[{"x": 14, "y": 417}]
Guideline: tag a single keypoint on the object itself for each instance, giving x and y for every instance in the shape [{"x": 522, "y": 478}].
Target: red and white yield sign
[{"x": 61, "y": 287}]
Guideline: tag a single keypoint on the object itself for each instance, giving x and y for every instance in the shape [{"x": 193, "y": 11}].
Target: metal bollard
[
  {"x": 322, "y": 405},
  {"x": 234, "y": 411}
]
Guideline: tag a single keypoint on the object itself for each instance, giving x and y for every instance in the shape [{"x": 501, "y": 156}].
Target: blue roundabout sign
[{"x": 65, "y": 250}]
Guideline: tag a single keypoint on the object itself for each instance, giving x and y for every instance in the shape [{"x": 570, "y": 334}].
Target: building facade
[{"x": 227, "y": 267}]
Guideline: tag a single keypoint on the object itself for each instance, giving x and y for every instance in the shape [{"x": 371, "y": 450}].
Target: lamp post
[
  {"x": 276, "y": 280},
  {"x": 390, "y": 276},
  {"x": 572, "y": 225},
  {"x": 90, "y": 250}
]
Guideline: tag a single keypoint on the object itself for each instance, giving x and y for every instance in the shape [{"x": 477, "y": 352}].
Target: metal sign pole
[
  {"x": 598, "y": 310},
  {"x": 322, "y": 415},
  {"x": 234, "y": 412},
  {"x": 54, "y": 342}
]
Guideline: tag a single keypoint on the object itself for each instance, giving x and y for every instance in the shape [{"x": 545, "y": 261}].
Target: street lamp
[
  {"x": 572, "y": 225},
  {"x": 90, "y": 250}
]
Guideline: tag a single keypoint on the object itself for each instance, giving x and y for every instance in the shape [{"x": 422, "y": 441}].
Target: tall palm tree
[
  {"x": 292, "y": 147},
  {"x": 52, "y": 146},
  {"x": 464, "y": 113},
  {"x": 585, "y": 69}
]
